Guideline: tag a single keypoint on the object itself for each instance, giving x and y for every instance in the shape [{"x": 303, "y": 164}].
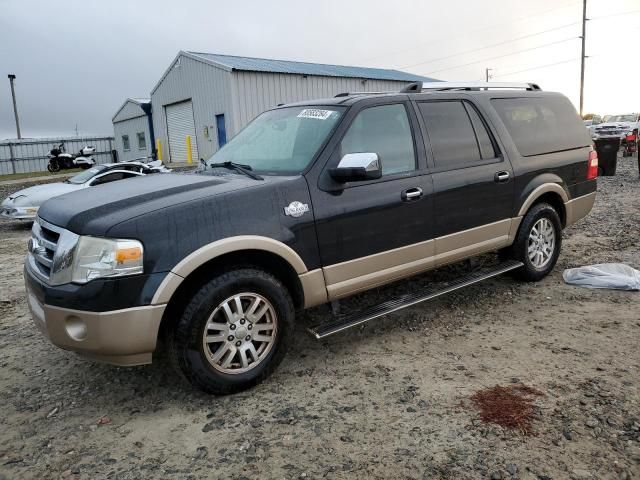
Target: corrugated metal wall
[
  {"x": 30, "y": 155},
  {"x": 131, "y": 127},
  {"x": 256, "y": 92},
  {"x": 208, "y": 87},
  {"x": 129, "y": 110},
  {"x": 240, "y": 96}
]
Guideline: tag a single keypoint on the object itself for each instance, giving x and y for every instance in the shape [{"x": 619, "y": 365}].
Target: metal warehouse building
[
  {"x": 131, "y": 127},
  {"x": 203, "y": 98}
]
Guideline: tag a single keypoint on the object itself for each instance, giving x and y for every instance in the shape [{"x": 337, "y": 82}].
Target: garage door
[{"x": 180, "y": 125}]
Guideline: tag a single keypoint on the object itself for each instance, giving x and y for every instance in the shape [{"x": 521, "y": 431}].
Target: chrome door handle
[
  {"x": 412, "y": 194},
  {"x": 501, "y": 177}
]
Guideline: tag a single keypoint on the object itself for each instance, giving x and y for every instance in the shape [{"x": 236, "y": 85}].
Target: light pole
[{"x": 12, "y": 77}]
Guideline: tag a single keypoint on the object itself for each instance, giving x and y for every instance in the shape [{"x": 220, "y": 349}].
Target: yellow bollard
[
  {"x": 189, "y": 154},
  {"x": 159, "y": 149}
]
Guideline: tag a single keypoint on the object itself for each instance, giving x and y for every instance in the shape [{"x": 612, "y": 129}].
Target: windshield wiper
[{"x": 238, "y": 167}]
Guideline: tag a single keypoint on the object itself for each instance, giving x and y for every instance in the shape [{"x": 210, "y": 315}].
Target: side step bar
[{"x": 343, "y": 322}]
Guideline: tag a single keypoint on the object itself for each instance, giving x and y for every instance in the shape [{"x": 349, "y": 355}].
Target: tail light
[{"x": 592, "y": 167}]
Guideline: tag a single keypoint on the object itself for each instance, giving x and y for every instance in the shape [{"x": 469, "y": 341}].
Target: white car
[
  {"x": 24, "y": 204},
  {"x": 617, "y": 126}
]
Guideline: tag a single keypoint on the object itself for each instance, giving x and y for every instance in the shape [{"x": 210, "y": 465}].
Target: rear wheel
[
  {"x": 537, "y": 244},
  {"x": 234, "y": 332}
]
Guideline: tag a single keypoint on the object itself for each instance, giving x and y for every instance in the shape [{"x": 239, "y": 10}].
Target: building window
[
  {"x": 142, "y": 141},
  {"x": 125, "y": 143}
]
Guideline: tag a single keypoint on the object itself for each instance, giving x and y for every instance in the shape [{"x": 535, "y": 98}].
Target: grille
[{"x": 42, "y": 247}]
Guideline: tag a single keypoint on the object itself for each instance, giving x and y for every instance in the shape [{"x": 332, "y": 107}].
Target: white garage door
[{"x": 180, "y": 125}]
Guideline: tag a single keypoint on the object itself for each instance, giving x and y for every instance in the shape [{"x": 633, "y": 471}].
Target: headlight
[{"x": 96, "y": 257}]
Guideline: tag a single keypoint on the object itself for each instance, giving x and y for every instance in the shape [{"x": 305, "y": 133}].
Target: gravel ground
[{"x": 387, "y": 400}]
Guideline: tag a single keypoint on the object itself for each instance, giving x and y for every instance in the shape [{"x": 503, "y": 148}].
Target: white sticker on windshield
[{"x": 315, "y": 113}]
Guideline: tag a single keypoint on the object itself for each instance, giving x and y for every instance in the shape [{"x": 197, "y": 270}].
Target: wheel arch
[
  {"x": 274, "y": 257},
  {"x": 551, "y": 193}
]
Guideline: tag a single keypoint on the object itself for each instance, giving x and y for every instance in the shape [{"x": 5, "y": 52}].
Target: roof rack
[
  {"x": 348, "y": 94},
  {"x": 418, "y": 87}
]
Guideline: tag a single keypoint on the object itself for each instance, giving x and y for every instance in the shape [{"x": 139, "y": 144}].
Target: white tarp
[{"x": 617, "y": 276}]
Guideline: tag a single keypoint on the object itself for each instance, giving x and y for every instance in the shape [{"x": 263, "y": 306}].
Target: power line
[
  {"x": 614, "y": 15},
  {"x": 503, "y": 56},
  {"x": 537, "y": 68},
  {"x": 448, "y": 38},
  {"x": 491, "y": 46}
]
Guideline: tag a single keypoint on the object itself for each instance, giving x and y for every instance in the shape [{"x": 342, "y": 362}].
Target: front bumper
[
  {"x": 18, "y": 213},
  {"x": 121, "y": 337}
]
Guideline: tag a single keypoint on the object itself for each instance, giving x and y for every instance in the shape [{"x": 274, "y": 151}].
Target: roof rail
[
  {"x": 418, "y": 87},
  {"x": 348, "y": 94}
]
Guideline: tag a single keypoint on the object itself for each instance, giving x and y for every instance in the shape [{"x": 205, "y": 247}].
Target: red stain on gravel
[{"x": 510, "y": 407}]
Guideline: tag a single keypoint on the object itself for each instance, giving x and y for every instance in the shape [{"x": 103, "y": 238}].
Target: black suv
[{"x": 310, "y": 203}]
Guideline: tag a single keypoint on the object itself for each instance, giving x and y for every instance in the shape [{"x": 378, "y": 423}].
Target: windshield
[
  {"x": 86, "y": 175},
  {"x": 282, "y": 141},
  {"x": 622, "y": 118}
]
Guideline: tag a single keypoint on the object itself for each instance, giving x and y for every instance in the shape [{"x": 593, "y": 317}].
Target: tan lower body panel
[
  {"x": 363, "y": 273},
  {"x": 120, "y": 337},
  {"x": 314, "y": 288},
  {"x": 579, "y": 207}
]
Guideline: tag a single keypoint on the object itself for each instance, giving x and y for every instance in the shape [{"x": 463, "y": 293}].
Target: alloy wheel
[
  {"x": 541, "y": 243},
  {"x": 240, "y": 333}
]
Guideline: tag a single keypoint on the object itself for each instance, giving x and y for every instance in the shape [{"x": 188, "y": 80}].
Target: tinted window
[
  {"x": 87, "y": 174},
  {"x": 112, "y": 177},
  {"x": 541, "y": 125},
  {"x": 452, "y": 138},
  {"x": 384, "y": 130},
  {"x": 487, "y": 149}
]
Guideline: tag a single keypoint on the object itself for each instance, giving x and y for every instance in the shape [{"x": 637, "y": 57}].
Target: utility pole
[
  {"x": 12, "y": 78},
  {"x": 487, "y": 73},
  {"x": 583, "y": 56}
]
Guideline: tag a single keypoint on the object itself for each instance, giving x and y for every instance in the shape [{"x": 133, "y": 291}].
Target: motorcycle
[{"x": 59, "y": 159}]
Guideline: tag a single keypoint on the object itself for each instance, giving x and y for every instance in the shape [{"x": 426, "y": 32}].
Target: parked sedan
[{"x": 24, "y": 204}]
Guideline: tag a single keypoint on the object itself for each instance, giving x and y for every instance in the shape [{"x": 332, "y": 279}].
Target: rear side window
[
  {"x": 457, "y": 134},
  {"x": 540, "y": 125}
]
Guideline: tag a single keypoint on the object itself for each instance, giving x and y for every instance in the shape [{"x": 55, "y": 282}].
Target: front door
[
  {"x": 372, "y": 232},
  {"x": 473, "y": 183},
  {"x": 222, "y": 130}
]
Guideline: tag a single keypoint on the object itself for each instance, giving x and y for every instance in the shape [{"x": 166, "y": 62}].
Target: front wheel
[
  {"x": 537, "y": 244},
  {"x": 234, "y": 332},
  {"x": 53, "y": 166}
]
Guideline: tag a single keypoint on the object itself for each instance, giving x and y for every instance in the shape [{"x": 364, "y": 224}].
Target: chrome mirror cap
[{"x": 357, "y": 167}]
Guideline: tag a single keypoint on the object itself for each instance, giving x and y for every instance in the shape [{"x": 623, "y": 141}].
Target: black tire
[
  {"x": 85, "y": 166},
  {"x": 519, "y": 250},
  {"x": 53, "y": 166},
  {"x": 185, "y": 342}
]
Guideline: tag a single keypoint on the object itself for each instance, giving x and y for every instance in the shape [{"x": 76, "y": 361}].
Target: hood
[
  {"x": 36, "y": 195},
  {"x": 92, "y": 211},
  {"x": 619, "y": 125}
]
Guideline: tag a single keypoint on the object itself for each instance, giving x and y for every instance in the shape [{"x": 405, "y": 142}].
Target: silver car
[{"x": 24, "y": 204}]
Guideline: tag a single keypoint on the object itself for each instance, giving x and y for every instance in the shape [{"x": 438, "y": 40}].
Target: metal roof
[{"x": 250, "y": 64}]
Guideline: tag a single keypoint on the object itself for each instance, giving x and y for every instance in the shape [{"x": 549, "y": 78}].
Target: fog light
[{"x": 75, "y": 328}]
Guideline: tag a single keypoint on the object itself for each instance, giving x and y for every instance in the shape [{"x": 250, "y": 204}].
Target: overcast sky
[{"x": 77, "y": 60}]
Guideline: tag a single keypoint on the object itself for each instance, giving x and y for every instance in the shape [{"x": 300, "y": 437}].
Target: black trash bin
[{"x": 607, "y": 149}]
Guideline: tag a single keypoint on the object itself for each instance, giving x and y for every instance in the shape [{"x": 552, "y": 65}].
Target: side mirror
[{"x": 355, "y": 167}]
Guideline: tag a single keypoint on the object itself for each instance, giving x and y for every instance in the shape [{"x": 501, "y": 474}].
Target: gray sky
[{"x": 77, "y": 60}]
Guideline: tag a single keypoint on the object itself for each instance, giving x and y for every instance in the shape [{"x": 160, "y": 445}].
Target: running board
[{"x": 343, "y": 322}]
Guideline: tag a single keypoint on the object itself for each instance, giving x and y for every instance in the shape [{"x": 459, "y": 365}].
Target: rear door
[
  {"x": 472, "y": 180},
  {"x": 371, "y": 232}
]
